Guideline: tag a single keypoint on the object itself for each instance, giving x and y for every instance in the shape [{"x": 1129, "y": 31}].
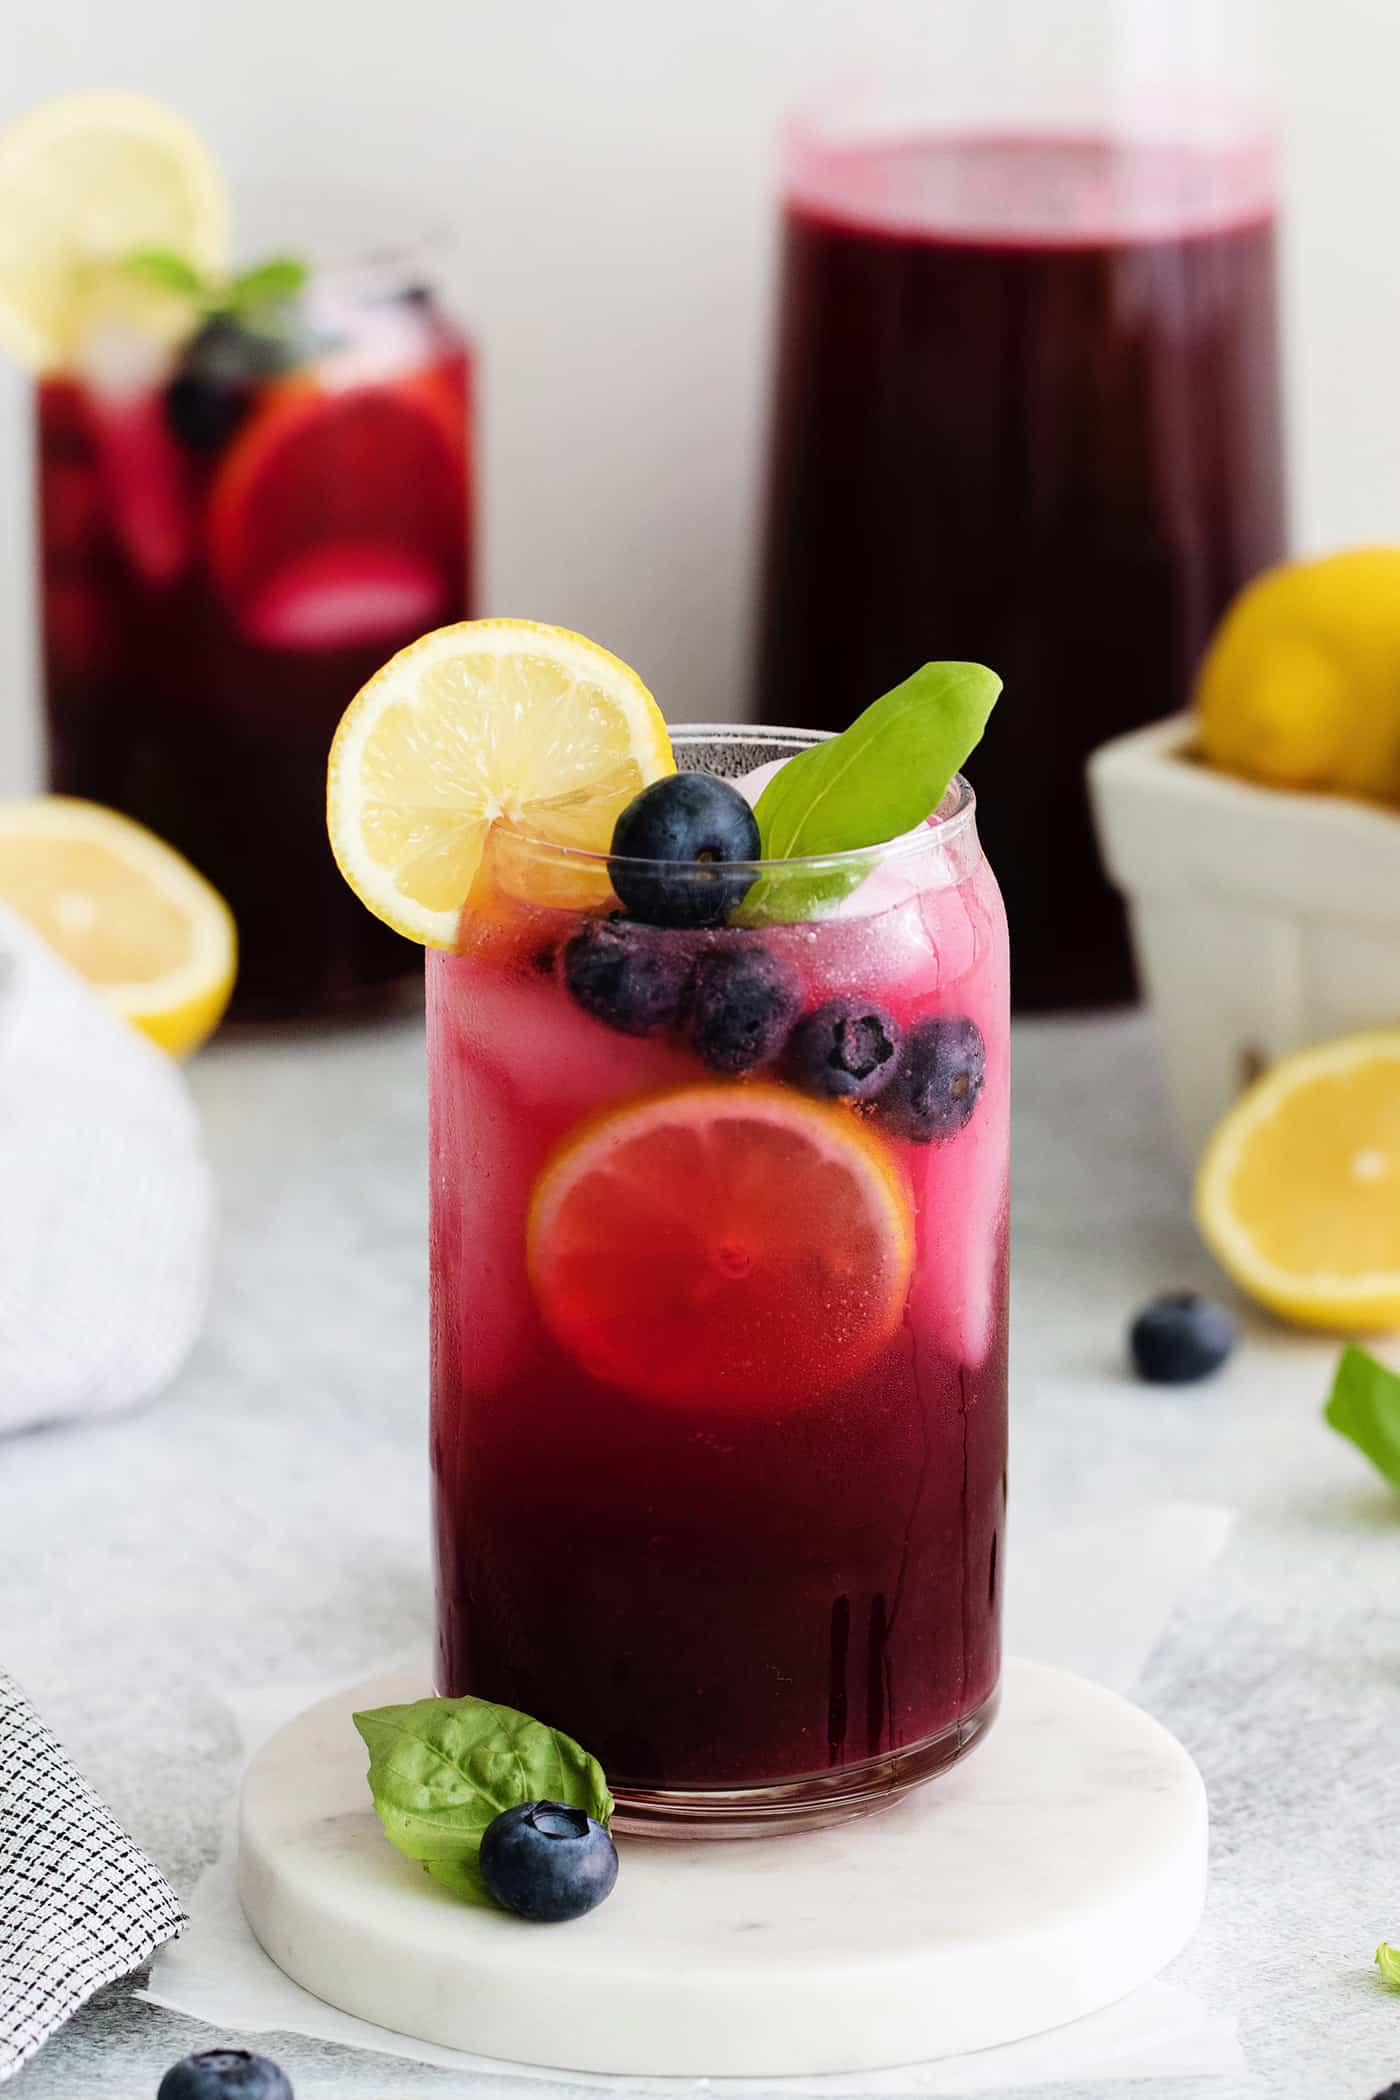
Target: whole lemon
[{"x": 1301, "y": 684}]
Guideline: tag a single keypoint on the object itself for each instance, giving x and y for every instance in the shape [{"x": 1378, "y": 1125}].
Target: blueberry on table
[
  {"x": 225, "y": 2074},
  {"x": 939, "y": 1078},
  {"x": 631, "y": 977},
  {"x": 1180, "y": 1338},
  {"x": 699, "y": 822},
  {"x": 847, "y": 1049},
  {"x": 547, "y": 1862},
  {"x": 743, "y": 1003}
]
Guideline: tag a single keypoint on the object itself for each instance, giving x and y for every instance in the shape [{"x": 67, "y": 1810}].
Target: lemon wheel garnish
[
  {"x": 484, "y": 721},
  {"x": 85, "y": 181},
  {"x": 130, "y": 915},
  {"x": 1298, "y": 1195}
]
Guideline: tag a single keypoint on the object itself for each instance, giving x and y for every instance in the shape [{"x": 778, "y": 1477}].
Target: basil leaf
[
  {"x": 270, "y": 283},
  {"x": 1388, "y": 1962},
  {"x": 1365, "y": 1405},
  {"x": 167, "y": 271},
  {"x": 881, "y": 777},
  {"x": 441, "y": 1770}
]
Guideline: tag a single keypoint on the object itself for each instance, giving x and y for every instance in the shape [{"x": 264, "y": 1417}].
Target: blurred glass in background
[
  {"x": 234, "y": 534},
  {"x": 1027, "y": 406}
]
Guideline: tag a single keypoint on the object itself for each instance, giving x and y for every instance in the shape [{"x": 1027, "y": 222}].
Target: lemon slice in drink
[
  {"x": 1298, "y": 1195},
  {"x": 722, "y": 1246},
  {"x": 486, "y": 720},
  {"x": 85, "y": 181},
  {"x": 125, "y": 910}
]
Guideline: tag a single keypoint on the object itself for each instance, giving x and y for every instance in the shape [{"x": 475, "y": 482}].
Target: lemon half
[{"x": 1298, "y": 1195}]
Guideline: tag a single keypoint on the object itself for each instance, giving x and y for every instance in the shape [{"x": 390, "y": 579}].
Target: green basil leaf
[
  {"x": 1365, "y": 1405},
  {"x": 441, "y": 1770},
  {"x": 270, "y": 283},
  {"x": 881, "y": 777},
  {"x": 1388, "y": 1962},
  {"x": 167, "y": 271}
]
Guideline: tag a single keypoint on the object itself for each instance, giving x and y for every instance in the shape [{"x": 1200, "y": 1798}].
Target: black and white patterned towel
[{"x": 80, "y": 1905}]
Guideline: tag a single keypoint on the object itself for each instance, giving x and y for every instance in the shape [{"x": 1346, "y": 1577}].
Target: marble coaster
[{"x": 1062, "y": 1865}]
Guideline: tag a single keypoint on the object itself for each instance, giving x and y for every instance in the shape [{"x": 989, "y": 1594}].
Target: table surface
[{"x": 267, "y": 1521}]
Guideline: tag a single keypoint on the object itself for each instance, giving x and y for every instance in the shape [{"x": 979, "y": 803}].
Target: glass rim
[
  {"x": 415, "y": 258},
  {"x": 946, "y": 829}
]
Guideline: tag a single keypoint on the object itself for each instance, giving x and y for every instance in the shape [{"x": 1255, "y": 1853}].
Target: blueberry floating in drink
[{"x": 699, "y": 823}]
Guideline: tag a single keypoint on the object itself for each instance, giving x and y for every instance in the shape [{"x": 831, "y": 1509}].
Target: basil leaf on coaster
[
  {"x": 442, "y": 1770},
  {"x": 1365, "y": 1405},
  {"x": 881, "y": 777}
]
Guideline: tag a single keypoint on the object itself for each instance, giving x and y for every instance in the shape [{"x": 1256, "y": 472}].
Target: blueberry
[
  {"x": 548, "y": 1862},
  {"x": 225, "y": 2074},
  {"x": 1179, "y": 1338},
  {"x": 743, "y": 1003},
  {"x": 847, "y": 1048},
  {"x": 687, "y": 818},
  {"x": 218, "y": 380},
  {"x": 633, "y": 978},
  {"x": 940, "y": 1075}
]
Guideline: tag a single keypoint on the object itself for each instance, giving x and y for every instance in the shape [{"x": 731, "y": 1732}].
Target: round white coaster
[{"x": 1060, "y": 1866}]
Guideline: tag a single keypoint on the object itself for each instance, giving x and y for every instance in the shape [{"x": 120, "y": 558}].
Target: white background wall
[{"x": 607, "y": 167}]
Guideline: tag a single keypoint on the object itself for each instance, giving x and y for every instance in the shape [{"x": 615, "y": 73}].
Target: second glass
[
  {"x": 719, "y": 1364},
  {"x": 227, "y": 552},
  {"x": 1027, "y": 408}
]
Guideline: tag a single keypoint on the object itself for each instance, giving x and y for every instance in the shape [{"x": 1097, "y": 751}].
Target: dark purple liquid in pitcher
[{"x": 1055, "y": 449}]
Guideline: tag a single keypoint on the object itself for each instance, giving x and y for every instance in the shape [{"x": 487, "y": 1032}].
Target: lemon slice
[
  {"x": 125, "y": 910},
  {"x": 85, "y": 181},
  {"x": 1298, "y": 1195},
  {"x": 487, "y": 720},
  {"x": 722, "y": 1246}
]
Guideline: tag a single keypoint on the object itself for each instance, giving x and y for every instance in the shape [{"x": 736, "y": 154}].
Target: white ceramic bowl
[{"x": 1262, "y": 920}]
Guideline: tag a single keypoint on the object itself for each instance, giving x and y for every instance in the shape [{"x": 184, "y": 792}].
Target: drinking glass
[
  {"x": 719, "y": 1361},
  {"x": 228, "y": 549},
  {"x": 1027, "y": 406}
]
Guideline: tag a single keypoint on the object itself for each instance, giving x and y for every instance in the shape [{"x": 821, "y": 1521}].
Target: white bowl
[{"x": 1263, "y": 920}]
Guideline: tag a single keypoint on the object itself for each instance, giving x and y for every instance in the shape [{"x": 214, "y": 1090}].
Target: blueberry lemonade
[
  {"x": 718, "y": 1066},
  {"x": 253, "y": 485}
]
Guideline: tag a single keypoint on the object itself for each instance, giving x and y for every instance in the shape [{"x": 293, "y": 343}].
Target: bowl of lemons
[{"x": 1256, "y": 838}]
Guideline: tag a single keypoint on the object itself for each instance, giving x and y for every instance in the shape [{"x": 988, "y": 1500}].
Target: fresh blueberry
[
  {"x": 225, "y": 2074},
  {"x": 547, "y": 1862},
  {"x": 690, "y": 818},
  {"x": 743, "y": 1003},
  {"x": 847, "y": 1048},
  {"x": 218, "y": 380},
  {"x": 633, "y": 978},
  {"x": 941, "y": 1072},
  {"x": 1179, "y": 1338}
]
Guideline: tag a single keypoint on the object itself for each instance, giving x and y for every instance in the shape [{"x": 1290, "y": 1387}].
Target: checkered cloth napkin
[{"x": 80, "y": 1906}]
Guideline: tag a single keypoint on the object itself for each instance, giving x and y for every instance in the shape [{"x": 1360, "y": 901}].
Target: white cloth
[{"x": 106, "y": 1203}]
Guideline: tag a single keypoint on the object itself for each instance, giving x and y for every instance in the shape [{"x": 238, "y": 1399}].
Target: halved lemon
[
  {"x": 484, "y": 721},
  {"x": 722, "y": 1246},
  {"x": 125, "y": 910},
  {"x": 1298, "y": 1195},
  {"x": 84, "y": 181}
]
